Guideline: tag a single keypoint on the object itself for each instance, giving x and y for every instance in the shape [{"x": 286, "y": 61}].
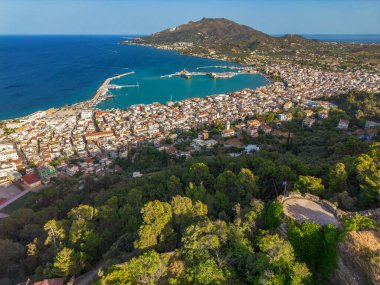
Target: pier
[
  {"x": 180, "y": 73},
  {"x": 101, "y": 93},
  {"x": 114, "y": 86},
  {"x": 220, "y": 66},
  {"x": 213, "y": 75}
]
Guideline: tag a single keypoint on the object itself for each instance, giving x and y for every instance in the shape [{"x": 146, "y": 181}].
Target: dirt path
[{"x": 88, "y": 277}]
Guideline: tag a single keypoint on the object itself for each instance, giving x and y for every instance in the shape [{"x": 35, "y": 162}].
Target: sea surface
[
  {"x": 372, "y": 38},
  {"x": 39, "y": 72}
]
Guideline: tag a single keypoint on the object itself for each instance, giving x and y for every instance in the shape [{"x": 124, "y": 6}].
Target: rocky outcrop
[
  {"x": 359, "y": 259},
  {"x": 372, "y": 213}
]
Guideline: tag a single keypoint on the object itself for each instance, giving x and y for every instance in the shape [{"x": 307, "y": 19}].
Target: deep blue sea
[
  {"x": 39, "y": 72},
  {"x": 372, "y": 38}
]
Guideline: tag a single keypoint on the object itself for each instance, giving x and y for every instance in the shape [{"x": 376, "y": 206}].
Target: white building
[
  {"x": 72, "y": 169},
  {"x": 368, "y": 125},
  {"x": 6, "y": 146},
  {"x": 86, "y": 114},
  {"x": 14, "y": 125},
  {"x": 8, "y": 155},
  {"x": 343, "y": 124}
]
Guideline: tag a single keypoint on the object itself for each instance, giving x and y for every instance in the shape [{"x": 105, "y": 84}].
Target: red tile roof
[{"x": 30, "y": 178}]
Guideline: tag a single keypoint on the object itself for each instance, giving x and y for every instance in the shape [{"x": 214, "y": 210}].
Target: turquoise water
[
  {"x": 39, "y": 72},
  {"x": 152, "y": 88}
]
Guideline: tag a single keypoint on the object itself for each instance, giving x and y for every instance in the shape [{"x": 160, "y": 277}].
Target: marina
[{"x": 214, "y": 75}]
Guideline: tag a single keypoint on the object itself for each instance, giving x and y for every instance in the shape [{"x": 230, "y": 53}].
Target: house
[
  {"x": 136, "y": 174},
  {"x": 371, "y": 134},
  {"x": 31, "y": 180},
  {"x": 46, "y": 171},
  {"x": 4, "y": 180},
  {"x": 239, "y": 128},
  {"x": 170, "y": 150},
  {"x": 253, "y": 123},
  {"x": 205, "y": 135},
  {"x": 86, "y": 114},
  {"x": 253, "y": 132},
  {"x": 210, "y": 143},
  {"x": 98, "y": 135},
  {"x": 284, "y": 117},
  {"x": 72, "y": 169},
  {"x": 227, "y": 133},
  {"x": 5, "y": 169},
  {"x": 287, "y": 105},
  {"x": 251, "y": 147},
  {"x": 266, "y": 128},
  {"x": 368, "y": 134},
  {"x": 308, "y": 113},
  {"x": 307, "y": 122},
  {"x": 8, "y": 155},
  {"x": 371, "y": 124},
  {"x": 55, "y": 281},
  {"x": 14, "y": 176},
  {"x": 89, "y": 161},
  {"x": 197, "y": 144},
  {"x": 343, "y": 124},
  {"x": 324, "y": 114}
]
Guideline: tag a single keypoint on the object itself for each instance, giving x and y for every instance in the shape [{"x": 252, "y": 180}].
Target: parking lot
[{"x": 8, "y": 192}]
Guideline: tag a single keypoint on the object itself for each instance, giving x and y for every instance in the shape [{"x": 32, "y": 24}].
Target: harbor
[
  {"x": 214, "y": 75},
  {"x": 102, "y": 92}
]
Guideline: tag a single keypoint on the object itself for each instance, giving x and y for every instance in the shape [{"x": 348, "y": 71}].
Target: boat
[
  {"x": 222, "y": 75},
  {"x": 212, "y": 75},
  {"x": 185, "y": 74}
]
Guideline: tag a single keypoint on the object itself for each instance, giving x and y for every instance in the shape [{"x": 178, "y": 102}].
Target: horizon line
[{"x": 270, "y": 34}]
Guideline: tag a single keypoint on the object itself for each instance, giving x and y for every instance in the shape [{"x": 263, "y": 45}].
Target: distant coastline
[{"x": 344, "y": 38}]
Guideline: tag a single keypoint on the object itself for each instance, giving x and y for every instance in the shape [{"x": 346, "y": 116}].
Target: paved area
[
  {"x": 8, "y": 192},
  {"x": 10, "y": 201},
  {"x": 305, "y": 210}
]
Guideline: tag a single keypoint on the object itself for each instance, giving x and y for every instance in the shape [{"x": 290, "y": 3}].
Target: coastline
[{"x": 102, "y": 90}]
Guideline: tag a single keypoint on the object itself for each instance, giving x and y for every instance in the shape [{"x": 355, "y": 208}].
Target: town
[{"x": 41, "y": 145}]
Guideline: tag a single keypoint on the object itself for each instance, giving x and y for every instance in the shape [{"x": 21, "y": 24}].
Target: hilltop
[
  {"x": 224, "y": 39},
  {"x": 209, "y": 31},
  {"x": 220, "y": 31}
]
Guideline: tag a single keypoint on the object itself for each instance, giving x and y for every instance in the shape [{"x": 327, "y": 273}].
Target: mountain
[
  {"x": 220, "y": 31},
  {"x": 225, "y": 39}
]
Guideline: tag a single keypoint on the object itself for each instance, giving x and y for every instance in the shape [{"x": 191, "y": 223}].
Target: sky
[{"x": 144, "y": 17}]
